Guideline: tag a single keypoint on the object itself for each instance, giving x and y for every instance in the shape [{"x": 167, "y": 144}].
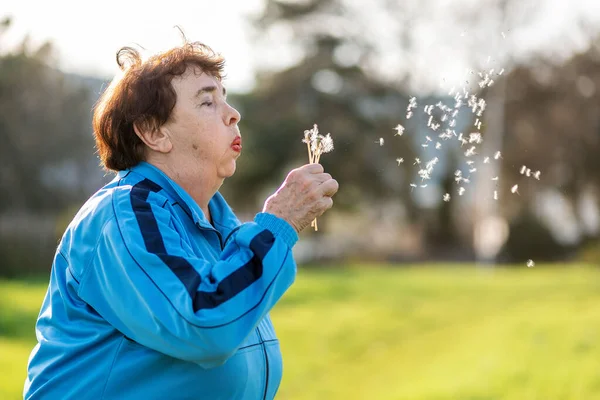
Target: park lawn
[{"x": 435, "y": 333}]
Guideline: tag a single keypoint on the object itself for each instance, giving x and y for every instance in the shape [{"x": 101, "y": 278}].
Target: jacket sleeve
[{"x": 144, "y": 280}]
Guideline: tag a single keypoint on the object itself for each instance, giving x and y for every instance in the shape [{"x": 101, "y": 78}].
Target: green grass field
[{"x": 413, "y": 333}]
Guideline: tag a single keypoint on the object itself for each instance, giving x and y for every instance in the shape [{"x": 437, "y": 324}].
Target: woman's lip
[{"x": 236, "y": 147}]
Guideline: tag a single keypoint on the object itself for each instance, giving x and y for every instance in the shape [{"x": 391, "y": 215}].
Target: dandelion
[
  {"x": 498, "y": 155},
  {"x": 317, "y": 145},
  {"x": 530, "y": 264},
  {"x": 446, "y": 197},
  {"x": 536, "y": 175},
  {"x": 515, "y": 189},
  {"x": 399, "y": 161},
  {"x": 399, "y": 130},
  {"x": 461, "y": 191}
]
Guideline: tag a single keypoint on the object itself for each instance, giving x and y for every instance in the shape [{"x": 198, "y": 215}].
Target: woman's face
[{"x": 203, "y": 127}]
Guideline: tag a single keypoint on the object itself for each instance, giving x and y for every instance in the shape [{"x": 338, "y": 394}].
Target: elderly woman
[{"x": 157, "y": 290}]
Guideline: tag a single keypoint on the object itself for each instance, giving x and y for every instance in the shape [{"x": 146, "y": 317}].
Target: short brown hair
[{"x": 143, "y": 95}]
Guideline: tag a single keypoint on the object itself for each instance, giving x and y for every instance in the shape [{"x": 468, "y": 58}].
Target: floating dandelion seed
[
  {"x": 424, "y": 145},
  {"x": 399, "y": 130},
  {"x": 417, "y": 161},
  {"x": 515, "y": 189},
  {"x": 486, "y": 160},
  {"x": 399, "y": 160},
  {"x": 501, "y": 71},
  {"x": 424, "y": 186},
  {"x": 461, "y": 191},
  {"x": 523, "y": 169},
  {"x": 473, "y": 170},
  {"x": 536, "y": 175},
  {"x": 528, "y": 172},
  {"x": 503, "y": 35},
  {"x": 475, "y": 137},
  {"x": 470, "y": 152},
  {"x": 438, "y": 145},
  {"x": 495, "y": 195},
  {"x": 409, "y": 114},
  {"x": 530, "y": 264},
  {"x": 380, "y": 141},
  {"x": 495, "y": 178},
  {"x": 446, "y": 197},
  {"x": 412, "y": 185},
  {"x": 498, "y": 155},
  {"x": 470, "y": 162}
]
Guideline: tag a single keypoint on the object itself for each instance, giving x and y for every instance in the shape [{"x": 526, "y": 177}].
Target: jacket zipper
[
  {"x": 215, "y": 231},
  {"x": 262, "y": 342}
]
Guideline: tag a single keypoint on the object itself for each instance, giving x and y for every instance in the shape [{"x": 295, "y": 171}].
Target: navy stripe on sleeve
[{"x": 228, "y": 287}]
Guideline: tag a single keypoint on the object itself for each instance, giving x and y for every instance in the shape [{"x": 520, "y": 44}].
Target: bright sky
[{"x": 87, "y": 37}]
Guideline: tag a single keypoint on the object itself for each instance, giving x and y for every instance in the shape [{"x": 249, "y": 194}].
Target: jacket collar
[{"x": 224, "y": 219}]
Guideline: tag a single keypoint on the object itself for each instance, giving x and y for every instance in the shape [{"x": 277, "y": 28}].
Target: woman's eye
[{"x": 207, "y": 103}]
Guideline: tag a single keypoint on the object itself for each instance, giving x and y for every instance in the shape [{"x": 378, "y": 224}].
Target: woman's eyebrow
[{"x": 209, "y": 89}]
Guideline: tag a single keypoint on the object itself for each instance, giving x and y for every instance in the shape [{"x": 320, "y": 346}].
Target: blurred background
[{"x": 459, "y": 261}]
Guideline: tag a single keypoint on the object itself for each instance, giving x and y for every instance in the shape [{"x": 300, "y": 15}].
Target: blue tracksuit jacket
[{"x": 147, "y": 300}]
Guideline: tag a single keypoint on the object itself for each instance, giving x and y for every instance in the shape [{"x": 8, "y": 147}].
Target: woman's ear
[{"x": 156, "y": 139}]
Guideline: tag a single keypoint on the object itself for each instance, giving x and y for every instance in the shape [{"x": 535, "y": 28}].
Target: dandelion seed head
[
  {"x": 498, "y": 155},
  {"x": 486, "y": 160},
  {"x": 446, "y": 197},
  {"x": 515, "y": 189},
  {"x": 399, "y": 160},
  {"x": 523, "y": 169},
  {"x": 530, "y": 264},
  {"x": 536, "y": 175},
  {"x": 461, "y": 191}
]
